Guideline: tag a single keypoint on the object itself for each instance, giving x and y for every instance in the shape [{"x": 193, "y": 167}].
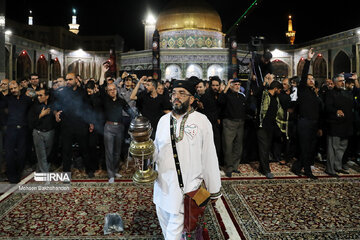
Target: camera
[{"x": 256, "y": 43}]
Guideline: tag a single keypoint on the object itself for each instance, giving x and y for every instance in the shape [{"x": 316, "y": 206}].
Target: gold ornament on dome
[{"x": 188, "y": 14}]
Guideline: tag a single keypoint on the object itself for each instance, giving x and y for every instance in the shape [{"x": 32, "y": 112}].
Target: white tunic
[{"x": 197, "y": 157}]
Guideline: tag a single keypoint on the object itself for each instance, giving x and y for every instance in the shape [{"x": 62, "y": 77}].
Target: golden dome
[{"x": 189, "y": 14}]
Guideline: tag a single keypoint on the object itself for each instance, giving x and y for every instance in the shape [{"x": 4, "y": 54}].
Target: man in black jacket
[
  {"x": 73, "y": 113},
  {"x": 339, "y": 110},
  {"x": 18, "y": 105},
  {"x": 309, "y": 111},
  {"x": 233, "y": 102},
  {"x": 212, "y": 109}
]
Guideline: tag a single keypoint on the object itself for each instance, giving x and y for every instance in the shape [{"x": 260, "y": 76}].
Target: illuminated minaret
[
  {"x": 30, "y": 19},
  {"x": 73, "y": 26},
  {"x": 290, "y": 33}
]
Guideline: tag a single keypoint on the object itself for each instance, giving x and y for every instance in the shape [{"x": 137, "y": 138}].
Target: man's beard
[{"x": 180, "y": 110}]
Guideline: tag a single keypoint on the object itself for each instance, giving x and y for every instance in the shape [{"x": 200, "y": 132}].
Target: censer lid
[{"x": 140, "y": 123}]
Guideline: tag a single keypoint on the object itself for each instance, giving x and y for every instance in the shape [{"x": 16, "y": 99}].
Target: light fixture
[
  {"x": 150, "y": 19},
  {"x": 2, "y": 21},
  {"x": 8, "y": 32}
]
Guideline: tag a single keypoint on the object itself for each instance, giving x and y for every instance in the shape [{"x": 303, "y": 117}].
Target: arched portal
[
  {"x": 23, "y": 65},
  {"x": 194, "y": 70},
  {"x": 342, "y": 63},
  {"x": 172, "y": 71},
  {"x": 300, "y": 67},
  {"x": 56, "y": 69},
  {"x": 215, "y": 70},
  {"x": 280, "y": 69},
  {"x": 42, "y": 69},
  {"x": 320, "y": 69}
]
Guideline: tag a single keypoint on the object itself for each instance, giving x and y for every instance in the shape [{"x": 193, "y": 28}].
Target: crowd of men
[{"x": 261, "y": 119}]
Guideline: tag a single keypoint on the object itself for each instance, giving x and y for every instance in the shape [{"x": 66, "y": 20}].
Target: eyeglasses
[
  {"x": 179, "y": 93},
  {"x": 69, "y": 79}
]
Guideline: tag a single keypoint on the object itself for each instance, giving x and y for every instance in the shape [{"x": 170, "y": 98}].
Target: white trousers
[{"x": 172, "y": 225}]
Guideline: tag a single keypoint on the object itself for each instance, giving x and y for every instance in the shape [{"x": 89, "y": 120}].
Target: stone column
[{"x": 2, "y": 39}]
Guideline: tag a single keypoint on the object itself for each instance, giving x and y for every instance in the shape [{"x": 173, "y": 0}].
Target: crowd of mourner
[{"x": 82, "y": 124}]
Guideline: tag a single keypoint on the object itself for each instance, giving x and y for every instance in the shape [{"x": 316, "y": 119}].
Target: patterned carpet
[
  {"x": 252, "y": 207},
  {"x": 80, "y": 213},
  {"x": 248, "y": 170},
  {"x": 295, "y": 208}
]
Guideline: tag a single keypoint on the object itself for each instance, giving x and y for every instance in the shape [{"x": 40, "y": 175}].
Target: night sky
[{"x": 311, "y": 18}]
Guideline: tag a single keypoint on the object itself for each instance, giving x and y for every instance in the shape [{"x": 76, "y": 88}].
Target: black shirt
[
  {"x": 17, "y": 108},
  {"x": 46, "y": 123},
  {"x": 113, "y": 110},
  {"x": 233, "y": 104},
  {"x": 152, "y": 108},
  {"x": 75, "y": 110},
  {"x": 339, "y": 99},
  {"x": 308, "y": 103},
  {"x": 211, "y": 105}
]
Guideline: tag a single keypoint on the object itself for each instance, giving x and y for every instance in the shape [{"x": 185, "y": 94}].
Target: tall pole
[
  {"x": 2, "y": 39},
  {"x": 156, "y": 56},
  {"x": 233, "y": 65}
]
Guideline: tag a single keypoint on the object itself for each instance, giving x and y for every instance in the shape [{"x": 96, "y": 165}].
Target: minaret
[
  {"x": 73, "y": 26},
  {"x": 30, "y": 19},
  {"x": 290, "y": 33}
]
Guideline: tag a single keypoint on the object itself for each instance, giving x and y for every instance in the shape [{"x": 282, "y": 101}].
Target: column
[{"x": 2, "y": 39}]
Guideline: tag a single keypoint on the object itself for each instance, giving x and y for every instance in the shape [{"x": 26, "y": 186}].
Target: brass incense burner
[{"x": 142, "y": 149}]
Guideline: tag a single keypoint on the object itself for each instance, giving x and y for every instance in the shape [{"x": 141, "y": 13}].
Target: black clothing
[
  {"x": 16, "y": 134},
  {"x": 309, "y": 107},
  {"x": 339, "y": 99},
  {"x": 308, "y": 103},
  {"x": 262, "y": 69},
  {"x": 211, "y": 105},
  {"x": 152, "y": 108},
  {"x": 233, "y": 104},
  {"x": 75, "y": 109},
  {"x": 113, "y": 110},
  {"x": 307, "y": 143},
  {"x": 212, "y": 110},
  {"x": 17, "y": 108},
  {"x": 285, "y": 101},
  {"x": 75, "y": 118},
  {"x": 44, "y": 124}
]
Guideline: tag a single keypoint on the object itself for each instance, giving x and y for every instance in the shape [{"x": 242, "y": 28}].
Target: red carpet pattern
[
  {"x": 80, "y": 214},
  {"x": 295, "y": 208}
]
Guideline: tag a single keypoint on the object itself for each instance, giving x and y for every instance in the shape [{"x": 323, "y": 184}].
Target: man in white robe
[{"x": 197, "y": 156}]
